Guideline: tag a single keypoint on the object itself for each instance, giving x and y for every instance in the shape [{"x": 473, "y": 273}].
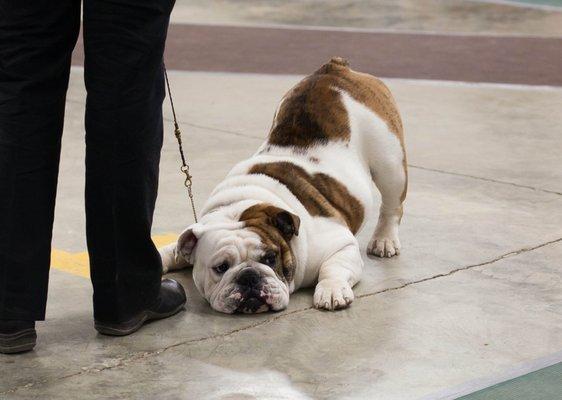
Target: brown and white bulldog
[{"x": 286, "y": 217}]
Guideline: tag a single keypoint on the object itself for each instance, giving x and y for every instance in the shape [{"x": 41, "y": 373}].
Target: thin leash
[{"x": 188, "y": 183}]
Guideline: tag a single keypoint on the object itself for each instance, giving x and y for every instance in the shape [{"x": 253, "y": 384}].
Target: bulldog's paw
[
  {"x": 332, "y": 294},
  {"x": 382, "y": 246}
]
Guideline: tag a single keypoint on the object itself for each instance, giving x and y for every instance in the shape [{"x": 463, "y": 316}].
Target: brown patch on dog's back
[
  {"x": 312, "y": 112},
  {"x": 260, "y": 219},
  {"x": 319, "y": 193}
]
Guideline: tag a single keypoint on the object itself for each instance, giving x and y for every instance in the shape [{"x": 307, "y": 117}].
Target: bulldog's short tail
[
  {"x": 339, "y": 61},
  {"x": 335, "y": 65}
]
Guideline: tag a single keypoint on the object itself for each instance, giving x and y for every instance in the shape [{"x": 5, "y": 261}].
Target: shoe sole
[
  {"x": 134, "y": 325},
  {"x": 18, "y": 342}
]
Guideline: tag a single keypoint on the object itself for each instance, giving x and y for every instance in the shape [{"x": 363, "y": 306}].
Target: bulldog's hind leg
[
  {"x": 389, "y": 173},
  {"x": 338, "y": 274},
  {"x": 171, "y": 259},
  {"x": 378, "y": 127}
]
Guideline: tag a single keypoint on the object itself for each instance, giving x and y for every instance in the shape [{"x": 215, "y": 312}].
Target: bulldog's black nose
[{"x": 249, "y": 278}]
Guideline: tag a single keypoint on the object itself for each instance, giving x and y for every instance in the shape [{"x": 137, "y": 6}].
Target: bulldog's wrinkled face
[{"x": 247, "y": 267}]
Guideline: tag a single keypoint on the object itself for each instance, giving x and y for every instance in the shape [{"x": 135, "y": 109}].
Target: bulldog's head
[{"x": 246, "y": 266}]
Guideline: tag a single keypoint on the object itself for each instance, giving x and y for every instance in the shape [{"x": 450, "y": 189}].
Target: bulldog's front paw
[
  {"x": 332, "y": 294},
  {"x": 383, "y": 246}
]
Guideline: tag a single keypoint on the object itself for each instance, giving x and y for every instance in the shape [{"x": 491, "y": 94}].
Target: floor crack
[
  {"x": 485, "y": 179},
  {"x": 240, "y": 134},
  {"x": 235, "y": 133},
  {"x": 210, "y": 128},
  {"x": 465, "y": 268},
  {"x": 126, "y": 360}
]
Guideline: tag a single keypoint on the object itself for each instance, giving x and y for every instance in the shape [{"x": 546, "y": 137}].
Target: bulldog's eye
[
  {"x": 269, "y": 259},
  {"x": 222, "y": 268}
]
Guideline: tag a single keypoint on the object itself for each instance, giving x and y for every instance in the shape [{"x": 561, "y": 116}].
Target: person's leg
[
  {"x": 124, "y": 45},
  {"x": 36, "y": 41}
]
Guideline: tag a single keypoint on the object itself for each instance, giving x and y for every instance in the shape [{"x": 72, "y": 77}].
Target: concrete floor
[
  {"x": 475, "y": 295},
  {"x": 475, "y": 292}
]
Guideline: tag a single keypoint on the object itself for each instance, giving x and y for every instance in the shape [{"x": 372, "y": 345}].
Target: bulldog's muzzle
[{"x": 250, "y": 286}]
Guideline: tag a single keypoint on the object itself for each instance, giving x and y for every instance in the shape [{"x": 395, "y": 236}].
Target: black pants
[{"x": 124, "y": 44}]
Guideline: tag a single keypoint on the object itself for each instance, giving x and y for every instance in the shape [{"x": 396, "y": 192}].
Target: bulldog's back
[
  {"x": 315, "y": 111},
  {"x": 326, "y": 138}
]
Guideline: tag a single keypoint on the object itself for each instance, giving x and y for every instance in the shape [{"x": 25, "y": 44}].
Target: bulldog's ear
[
  {"x": 186, "y": 243},
  {"x": 287, "y": 223}
]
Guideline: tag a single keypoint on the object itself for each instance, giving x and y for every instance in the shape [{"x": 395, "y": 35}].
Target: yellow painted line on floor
[
  {"x": 73, "y": 263},
  {"x": 79, "y": 263}
]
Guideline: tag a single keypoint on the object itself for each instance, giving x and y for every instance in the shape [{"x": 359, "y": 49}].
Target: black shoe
[
  {"x": 17, "y": 336},
  {"x": 171, "y": 300}
]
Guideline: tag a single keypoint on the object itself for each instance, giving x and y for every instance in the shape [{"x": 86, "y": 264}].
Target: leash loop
[{"x": 188, "y": 183}]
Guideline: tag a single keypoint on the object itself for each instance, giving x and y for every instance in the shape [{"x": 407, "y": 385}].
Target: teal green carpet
[
  {"x": 544, "y": 384},
  {"x": 541, "y": 2}
]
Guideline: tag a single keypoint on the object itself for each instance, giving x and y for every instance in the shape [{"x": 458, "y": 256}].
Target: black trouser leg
[
  {"x": 124, "y": 45},
  {"x": 36, "y": 42}
]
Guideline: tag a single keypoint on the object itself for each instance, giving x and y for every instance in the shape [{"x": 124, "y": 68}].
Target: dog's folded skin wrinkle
[
  {"x": 286, "y": 217},
  {"x": 259, "y": 219}
]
